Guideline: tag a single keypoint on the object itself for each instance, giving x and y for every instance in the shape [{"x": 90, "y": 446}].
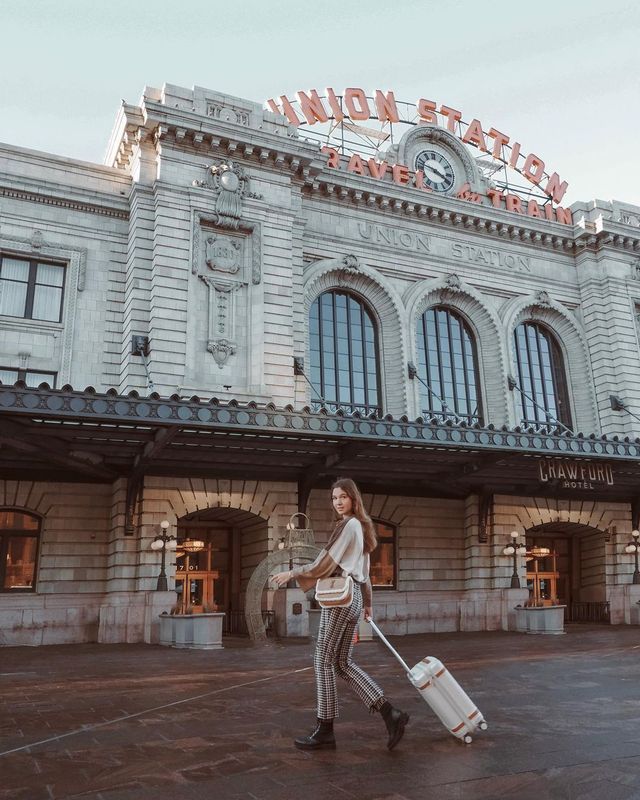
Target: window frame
[
  {"x": 559, "y": 379},
  {"x": 421, "y": 334},
  {"x": 33, "y": 262},
  {"x": 366, "y": 312},
  {"x": 22, "y": 374},
  {"x": 5, "y": 535},
  {"x": 385, "y": 587}
]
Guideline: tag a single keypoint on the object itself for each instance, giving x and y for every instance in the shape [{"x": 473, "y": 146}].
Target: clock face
[{"x": 439, "y": 175}]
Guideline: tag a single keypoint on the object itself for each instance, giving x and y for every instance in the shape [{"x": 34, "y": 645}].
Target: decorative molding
[
  {"x": 223, "y": 254},
  {"x": 231, "y": 185},
  {"x": 67, "y": 404},
  {"x": 221, "y": 323},
  {"x": 63, "y": 202},
  {"x": 204, "y": 219},
  {"x": 228, "y": 114}
]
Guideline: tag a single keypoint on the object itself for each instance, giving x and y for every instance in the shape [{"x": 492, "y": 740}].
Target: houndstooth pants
[{"x": 333, "y": 657}]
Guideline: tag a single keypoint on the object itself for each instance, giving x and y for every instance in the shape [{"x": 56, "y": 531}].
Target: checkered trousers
[{"x": 333, "y": 657}]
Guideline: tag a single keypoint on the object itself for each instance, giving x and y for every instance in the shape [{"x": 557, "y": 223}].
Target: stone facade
[{"x": 210, "y": 231}]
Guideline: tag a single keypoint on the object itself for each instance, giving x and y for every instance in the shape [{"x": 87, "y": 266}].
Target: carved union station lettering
[
  {"x": 487, "y": 256},
  {"x": 394, "y": 238}
]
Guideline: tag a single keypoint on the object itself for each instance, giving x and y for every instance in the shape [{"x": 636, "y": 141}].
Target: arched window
[
  {"x": 344, "y": 354},
  {"x": 19, "y": 540},
  {"x": 383, "y": 559},
  {"x": 541, "y": 378},
  {"x": 448, "y": 364}
]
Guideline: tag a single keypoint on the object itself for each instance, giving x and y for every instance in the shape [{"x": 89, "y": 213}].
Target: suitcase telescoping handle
[{"x": 389, "y": 645}]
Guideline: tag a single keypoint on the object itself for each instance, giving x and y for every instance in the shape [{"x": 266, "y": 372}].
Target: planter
[
  {"x": 540, "y": 619},
  {"x": 193, "y": 631},
  {"x": 314, "y": 622},
  {"x": 289, "y": 606}
]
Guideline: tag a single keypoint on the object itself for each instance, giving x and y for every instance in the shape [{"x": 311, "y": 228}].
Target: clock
[{"x": 439, "y": 174}]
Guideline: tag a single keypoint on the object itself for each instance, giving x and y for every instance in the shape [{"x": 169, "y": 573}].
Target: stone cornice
[
  {"x": 192, "y": 132},
  {"x": 53, "y": 199}
]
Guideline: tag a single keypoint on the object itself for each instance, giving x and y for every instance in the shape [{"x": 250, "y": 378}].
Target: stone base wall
[
  {"x": 443, "y": 612},
  {"x": 35, "y": 619}
]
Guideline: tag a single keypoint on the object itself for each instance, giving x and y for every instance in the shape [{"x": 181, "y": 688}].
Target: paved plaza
[{"x": 118, "y": 722}]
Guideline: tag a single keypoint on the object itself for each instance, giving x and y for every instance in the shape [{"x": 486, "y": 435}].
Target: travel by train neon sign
[{"x": 354, "y": 107}]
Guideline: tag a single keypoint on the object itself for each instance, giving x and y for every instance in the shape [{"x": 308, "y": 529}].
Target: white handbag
[{"x": 336, "y": 592}]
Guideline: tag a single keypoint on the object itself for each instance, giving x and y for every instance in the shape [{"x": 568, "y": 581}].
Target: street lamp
[
  {"x": 634, "y": 547},
  {"x": 163, "y": 542},
  {"x": 515, "y": 549}
]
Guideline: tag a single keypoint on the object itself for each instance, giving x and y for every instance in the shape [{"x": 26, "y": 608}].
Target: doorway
[
  {"x": 566, "y": 566},
  {"x": 217, "y": 551}
]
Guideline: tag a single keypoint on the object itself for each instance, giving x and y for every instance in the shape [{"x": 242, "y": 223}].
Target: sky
[{"x": 561, "y": 77}]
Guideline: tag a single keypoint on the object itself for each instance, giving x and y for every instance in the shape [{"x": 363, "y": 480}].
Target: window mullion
[
  {"x": 31, "y": 289},
  {"x": 321, "y": 346},
  {"x": 453, "y": 364}
]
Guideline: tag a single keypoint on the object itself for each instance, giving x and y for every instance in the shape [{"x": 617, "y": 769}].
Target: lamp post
[
  {"x": 634, "y": 547},
  {"x": 515, "y": 549},
  {"x": 163, "y": 542}
]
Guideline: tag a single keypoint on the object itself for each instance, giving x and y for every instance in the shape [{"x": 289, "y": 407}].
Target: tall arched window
[
  {"x": 344, "y": 354},
  {"x": 541, "y": 377},
  {"x": 448, "y": 364},
  {"x": 19, "y": 540}
]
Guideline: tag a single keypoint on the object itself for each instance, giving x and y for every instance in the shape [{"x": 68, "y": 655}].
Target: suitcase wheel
[
  {"x": 467, "y": 739},
  {"x": 483, "y": 726}
]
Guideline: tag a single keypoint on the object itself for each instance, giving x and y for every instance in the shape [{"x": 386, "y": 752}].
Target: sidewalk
[{"x": 137, "y": 722}]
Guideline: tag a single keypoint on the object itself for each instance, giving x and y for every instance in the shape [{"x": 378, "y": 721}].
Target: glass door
[{"x": 203, "y": 577}]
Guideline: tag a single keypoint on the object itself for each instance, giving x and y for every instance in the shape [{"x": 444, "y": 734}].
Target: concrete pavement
[{"x": 118, "y": 722}]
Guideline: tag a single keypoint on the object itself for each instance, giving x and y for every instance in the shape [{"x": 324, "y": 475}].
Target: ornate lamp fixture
[
  {"x": 515, "y": 549},
  {"x": 163, "y": 542},
  {"x": 634, "y": 547}
]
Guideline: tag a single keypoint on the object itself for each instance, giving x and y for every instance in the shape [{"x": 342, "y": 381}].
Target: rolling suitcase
[{"x": 443, "y": 693}]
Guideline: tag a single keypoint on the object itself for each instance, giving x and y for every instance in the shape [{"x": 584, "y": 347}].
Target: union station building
[{"x": 234, "y": 310}]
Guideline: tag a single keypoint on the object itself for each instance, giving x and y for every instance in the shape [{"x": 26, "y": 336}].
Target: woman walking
[{"x": 346, "y": 553}]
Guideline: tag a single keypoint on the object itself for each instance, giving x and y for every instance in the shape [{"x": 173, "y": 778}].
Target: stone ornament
[
  {"x": 349, "y": 268},
  {"x": 221, "y": 349},
  {"x": 542, "y": 299},
  {"x": 231, "y": 184},
  {"x": 220, "y": 340},
  {"x": 223, "y": 254}
]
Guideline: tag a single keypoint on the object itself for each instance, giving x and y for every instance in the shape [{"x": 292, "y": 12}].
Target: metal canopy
[{"x": 48, "y": 434}]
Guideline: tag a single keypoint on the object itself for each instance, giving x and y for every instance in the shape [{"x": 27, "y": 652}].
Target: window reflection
[
  {"x": 540, "y": 373},
  {"x": 344, "y": 355},
  {"x": 19, "y": 537},
  {"x": 447, "y": 363},
  {"x": 383, "y": 559}
]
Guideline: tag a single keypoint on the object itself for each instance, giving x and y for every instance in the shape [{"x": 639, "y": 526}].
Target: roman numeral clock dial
[{"x": 439, "y": 174}]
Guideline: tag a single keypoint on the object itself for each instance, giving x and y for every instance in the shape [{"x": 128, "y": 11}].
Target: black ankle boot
[
  {"x": 321, "y": 739},
  {"x": 395, "y": 720}
]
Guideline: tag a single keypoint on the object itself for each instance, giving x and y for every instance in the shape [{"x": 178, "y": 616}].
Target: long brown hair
[{"x": 358, "y": 511}]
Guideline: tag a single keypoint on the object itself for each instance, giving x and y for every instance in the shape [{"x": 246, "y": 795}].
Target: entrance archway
[
  {"x": 566, "y": 565},
  {"x": 214, "y": 577}
]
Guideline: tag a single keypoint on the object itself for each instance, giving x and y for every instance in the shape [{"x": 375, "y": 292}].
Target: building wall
[{"x": 135, "y": 237}]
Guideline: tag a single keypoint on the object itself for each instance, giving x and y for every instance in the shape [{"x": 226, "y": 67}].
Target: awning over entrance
[{"x": 85, "y": 436}]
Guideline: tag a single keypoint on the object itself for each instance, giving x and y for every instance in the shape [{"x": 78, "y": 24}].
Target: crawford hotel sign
[{"x": 356, "y": 131}]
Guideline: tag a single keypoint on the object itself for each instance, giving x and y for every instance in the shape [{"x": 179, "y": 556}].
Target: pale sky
[{"x": 560, "y": 76}]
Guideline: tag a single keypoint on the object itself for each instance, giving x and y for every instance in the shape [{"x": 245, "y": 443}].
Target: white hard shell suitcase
[{"x": 451, "y": 704}]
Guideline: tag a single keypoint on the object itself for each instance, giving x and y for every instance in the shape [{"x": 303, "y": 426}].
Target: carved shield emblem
[{"x": 223, "y": 254}]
